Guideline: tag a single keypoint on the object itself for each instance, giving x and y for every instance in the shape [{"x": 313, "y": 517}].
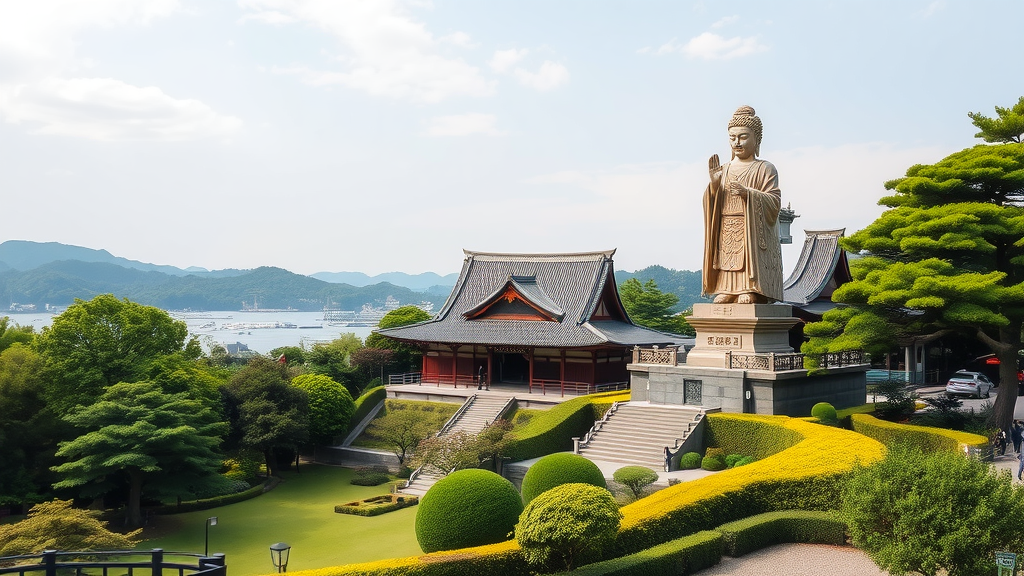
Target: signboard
[{"x": 1006, "y": 563}]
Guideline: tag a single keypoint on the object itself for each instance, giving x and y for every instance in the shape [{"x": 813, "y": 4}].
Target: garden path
[{"x": 798, "y": 560}]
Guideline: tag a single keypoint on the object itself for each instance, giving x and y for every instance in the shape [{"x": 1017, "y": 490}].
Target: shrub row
[
  {"x": 924, "y": 438},
  {"x": 207, "y": 503},
  {"x": 807, "y": 475},
  {"x": 552, "y": 431},
  {"x": 683, "y": 556},
  {"x": 505, "y": 559},
  {"x": 756, "y": 532},
  {"x": 366, "y": 402}
]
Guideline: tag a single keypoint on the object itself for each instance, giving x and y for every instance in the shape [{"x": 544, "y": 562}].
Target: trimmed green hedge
[
  {"x": 470, "y": 507},
  {"x": 925, "y": 438},
  {"x": 366, "y": 402},
  {"x": 747, "y": 437},
  {"x": 756, "y": 532},
  {"x": 217, "y": 501},
  {"x": 686, "y": 555},
  {"x": 377, "y": 505},
  {"x": 557, "y": 469},
  {"x": 553, "y": 430}
]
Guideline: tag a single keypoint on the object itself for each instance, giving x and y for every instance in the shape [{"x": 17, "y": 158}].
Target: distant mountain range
[{"x": 53, "y": 273}]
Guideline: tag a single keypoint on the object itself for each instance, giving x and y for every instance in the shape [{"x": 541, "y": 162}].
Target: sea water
[{"x": 227, "y": 327}]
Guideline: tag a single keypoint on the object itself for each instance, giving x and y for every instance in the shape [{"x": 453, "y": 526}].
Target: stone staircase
[
  {"x": 478, "y": 413},
  {"x": 637, "y": 434}
]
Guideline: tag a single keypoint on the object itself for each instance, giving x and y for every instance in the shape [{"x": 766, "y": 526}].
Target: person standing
[{"x": 1017, "y": 434}]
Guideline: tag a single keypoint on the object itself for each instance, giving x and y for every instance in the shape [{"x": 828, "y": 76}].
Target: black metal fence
[{"x": 115, "y": 563}]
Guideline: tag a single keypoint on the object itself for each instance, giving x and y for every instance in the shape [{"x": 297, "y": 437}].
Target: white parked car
[{"x": 973, "y": 384}]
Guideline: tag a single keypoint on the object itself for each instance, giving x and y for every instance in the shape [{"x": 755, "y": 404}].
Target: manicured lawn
[{"x": 300, "y": 512}]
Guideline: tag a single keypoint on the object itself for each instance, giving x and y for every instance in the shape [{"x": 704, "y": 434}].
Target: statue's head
[{"x": 744, "y": 117}]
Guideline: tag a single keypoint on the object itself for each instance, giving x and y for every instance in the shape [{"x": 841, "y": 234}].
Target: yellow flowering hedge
[
  {"x": 806, "y": 474},
  {"x": 926, "y": 438}
]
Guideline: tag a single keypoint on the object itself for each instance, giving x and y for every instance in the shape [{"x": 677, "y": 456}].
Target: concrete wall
[
  {"x": 791, "y": 393},
  {"x": 348, "y": 456}
]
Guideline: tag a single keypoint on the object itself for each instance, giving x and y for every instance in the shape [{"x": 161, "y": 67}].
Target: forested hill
[
  {"x": 59, "y": 283},
  {"x": 683, "y": 283}
]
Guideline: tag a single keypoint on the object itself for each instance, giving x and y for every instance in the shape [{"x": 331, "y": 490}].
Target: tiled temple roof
[
  {"x": 821, "y": 261},
  {"x": 567, "y": 286}
]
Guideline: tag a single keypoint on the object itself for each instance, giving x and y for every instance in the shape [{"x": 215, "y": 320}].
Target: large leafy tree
[
  {"x": 105, "y": 341},
  {"x": 648, "y": 306},
  {"x": 57, "y": 525},
  {"x": 406, "y": 356},
  {"x": 28, "y": 430},
  {"x": 12, "y": 333},
  {"x": 932, "y": 514},
  {"x": 947, "y": 258},
  {"x": 334, "y": 359},
  {"x": 266, "y": 412},
  {"x": 330, "y": 407},
  {"x": 165, "y": 444}
]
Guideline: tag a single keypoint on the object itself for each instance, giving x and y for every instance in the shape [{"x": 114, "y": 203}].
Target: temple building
[
  {"x": 821, "y": 268},
  {"x": 550, "y": 322}
]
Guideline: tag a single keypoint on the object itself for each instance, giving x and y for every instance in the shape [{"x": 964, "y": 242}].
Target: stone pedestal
[{"x": 740, "y": 329}]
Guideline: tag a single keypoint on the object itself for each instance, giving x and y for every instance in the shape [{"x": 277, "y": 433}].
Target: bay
[{"x": 260, "y": 331}]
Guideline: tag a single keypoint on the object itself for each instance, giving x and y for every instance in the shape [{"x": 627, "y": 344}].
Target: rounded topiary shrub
[
  {"x": 743, "y": 461},
  {"x": 557, "y": 469},
  {"x": 712, "y": 463},
  {"x": 689, "y": 461},
  {"x": 467, "y": 508},
  {"x": 636, "y": 478},
  {"x": 825, "y": 413},
  {"x": 567, "y": 526},
  {"x": 732, "y": 459},
  {"x": 714, "y": 452}
]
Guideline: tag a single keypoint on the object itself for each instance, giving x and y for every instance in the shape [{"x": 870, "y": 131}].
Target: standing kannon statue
[{"x": 742, "y": 256}]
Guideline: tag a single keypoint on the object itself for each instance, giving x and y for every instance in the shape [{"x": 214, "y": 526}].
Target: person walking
[
  {"x": 1020, "y": 469},
  {"x": 1017, "y": 434}
]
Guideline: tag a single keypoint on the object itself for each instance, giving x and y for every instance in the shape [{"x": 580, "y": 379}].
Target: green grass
[
  {"x": 445, "y": 409},
  {"x": 868, "y": 408},
  {"x": 300, "y": 512}
]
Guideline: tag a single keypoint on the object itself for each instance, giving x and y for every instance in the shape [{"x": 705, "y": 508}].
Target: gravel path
[{"x": 798, "y": 560}]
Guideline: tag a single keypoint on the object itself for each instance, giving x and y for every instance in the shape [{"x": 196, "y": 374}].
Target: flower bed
[{"x": 377, "y": 505}]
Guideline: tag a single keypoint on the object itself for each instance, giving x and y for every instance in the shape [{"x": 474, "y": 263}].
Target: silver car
[{"x": 973, "y": 384}]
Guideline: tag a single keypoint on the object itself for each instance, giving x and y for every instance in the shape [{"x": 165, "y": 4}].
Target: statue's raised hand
[{"x": 715, "y": 171}]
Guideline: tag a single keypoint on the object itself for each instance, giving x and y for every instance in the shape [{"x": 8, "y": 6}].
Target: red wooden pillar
[
  {"x": 490, "y": 358},
  {"x": 530, "y": 357},
  {"x": 561, "y": 369}
]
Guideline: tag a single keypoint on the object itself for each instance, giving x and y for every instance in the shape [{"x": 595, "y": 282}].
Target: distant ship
[
  {"x": 369, "y": 316},
  {"x": 255, "y": 307}
]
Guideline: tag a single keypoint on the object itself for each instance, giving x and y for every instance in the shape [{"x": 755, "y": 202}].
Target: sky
[{"x": 388, "y": 135}]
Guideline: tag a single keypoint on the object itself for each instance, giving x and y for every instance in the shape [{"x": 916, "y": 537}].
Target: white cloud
[
  {"x": 108, "y": 109},
  {"x": 38, "y": 52},
  {"x": 709, "y": 46},
  {"x": 933, "y": 8},
  {"x": 388, "y": 53},
  {"x": 725, "y": 21},
  {"x": 463, "y": 125},
  {"x": 504, "y": 60},
  {"x": 460, "y": 39},
  {"x": 828, "y": 187},
  {"x": 549, "y": 76}
]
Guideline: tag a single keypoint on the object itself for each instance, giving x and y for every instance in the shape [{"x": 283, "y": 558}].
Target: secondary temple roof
[
  {"x": 538, "y": 300},
  {"x": 821, "y": 269}
]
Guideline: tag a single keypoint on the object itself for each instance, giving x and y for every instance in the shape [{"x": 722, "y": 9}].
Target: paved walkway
[{"x": 798, "y": 560}]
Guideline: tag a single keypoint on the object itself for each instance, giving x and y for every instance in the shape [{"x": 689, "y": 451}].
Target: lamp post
[
  {"x": 279, "y": 556},
  {"x": 211, "y": 521}
]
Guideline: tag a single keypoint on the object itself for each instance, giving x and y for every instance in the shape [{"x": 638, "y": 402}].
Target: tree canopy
[
  {"x": 648, "y": 306},
  {"x": 267, "y": 413},
  {"x": 57, "y": 525},
  {"x": 947, "y": 258},
  {"x": 164, "y": 443},
  {"x": 1007, "y": 126},
  {"x": 406, "y": 356},
  {"x": 105, "y": 341},
  {"x": 330, "y": 407}
]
